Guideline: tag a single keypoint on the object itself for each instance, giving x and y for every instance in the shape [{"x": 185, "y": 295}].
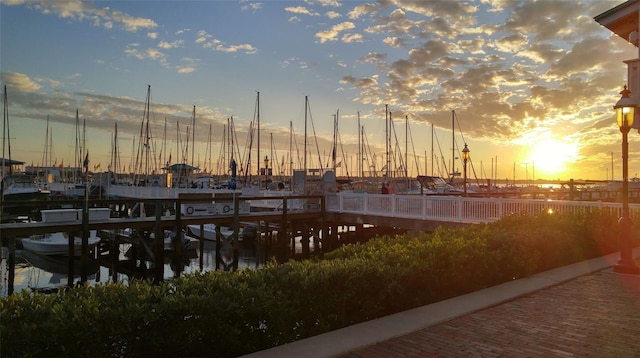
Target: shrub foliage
[{"x": 222, "y": 314}]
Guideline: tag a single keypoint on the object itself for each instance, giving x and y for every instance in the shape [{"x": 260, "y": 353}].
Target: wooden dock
[{"x": 273, "y": 223}]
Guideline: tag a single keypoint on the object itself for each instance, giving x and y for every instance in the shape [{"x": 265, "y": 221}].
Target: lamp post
[
  {"x": 465, "y": 158},
  {"x": 266, "y": 172},
  {"x": 625, "y": 111}
]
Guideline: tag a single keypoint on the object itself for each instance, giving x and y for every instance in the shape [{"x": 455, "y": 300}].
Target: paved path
[
  {"x": 597, "y": 315},
  {"x": 581, "y": 310}
]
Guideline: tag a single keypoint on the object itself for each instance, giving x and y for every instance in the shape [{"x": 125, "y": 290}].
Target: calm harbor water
[
  {"x": 45, "y": 273},
  {"x": 34, "y": 272}
]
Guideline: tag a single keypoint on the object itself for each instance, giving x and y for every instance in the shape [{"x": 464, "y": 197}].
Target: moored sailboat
[{"x": 15, "y": 187}]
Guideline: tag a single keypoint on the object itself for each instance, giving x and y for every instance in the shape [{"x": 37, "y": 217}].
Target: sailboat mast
[
  {"x": 359, "y": 148},
  {"x": 164, "y": 145},
  {"x": 290, "y": 152},
  {"x": 335, "y": 139},
  {"x": 391, "y": 155},
  {"x": 406, "y": 147},
  {"x": 132, "y": 169},
  {"x": 258, "y": 128},
  {"x": 386, "y": 139},
  {"x": 147, "y": 133},
  {"x": 193, "y": 135},
  {"x": 453, "y": 143},
  {"x": 274, "y": 158},
  {"x": 185, "y": 155},
  {"x": 45, "y": 154},
  {"x": 115, "y": 162},
  {"x": 209, "y": 151},
  {"x": 5, "y": 128},
  {"x": 50, "y": 145},
  {"x": 228, "y": 148},
  {"x": 8, "y": 136},
  {"x": 426, "y": 163},
  {"x": 178, "y": 152},
  {"x": 223, "y": 164},
  {"x": 77, "y": 155},
  {"x": 432, "y": 153},
  {"x": 306, "y": 102},
  {"x": 223, "y": 152},
  {"x": 84, "y": 141},
  {"x": 230, "y": 139},
  {"x": 363, "y": 153},
  {"x": 47, "y": 151}
]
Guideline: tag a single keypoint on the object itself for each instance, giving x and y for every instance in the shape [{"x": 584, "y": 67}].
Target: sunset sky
[{"x": 532, "y": 83}]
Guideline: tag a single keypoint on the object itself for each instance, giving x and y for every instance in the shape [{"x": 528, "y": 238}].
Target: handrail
[{"x": 458, "y": 208}]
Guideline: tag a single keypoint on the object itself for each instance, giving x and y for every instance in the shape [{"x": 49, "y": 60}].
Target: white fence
[{"x": 458, "y": 208}]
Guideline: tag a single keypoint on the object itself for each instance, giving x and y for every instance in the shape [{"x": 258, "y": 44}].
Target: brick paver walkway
[{"x": 596, "y": 315}]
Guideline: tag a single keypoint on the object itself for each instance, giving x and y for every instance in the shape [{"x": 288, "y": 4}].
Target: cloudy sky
[{"x": 531, "y": 83}]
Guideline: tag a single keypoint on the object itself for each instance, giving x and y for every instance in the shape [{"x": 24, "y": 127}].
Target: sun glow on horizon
[{"x": 551, "y": 156}]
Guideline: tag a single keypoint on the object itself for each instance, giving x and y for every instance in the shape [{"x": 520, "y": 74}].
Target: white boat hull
[{"x": 57, "y": 243}]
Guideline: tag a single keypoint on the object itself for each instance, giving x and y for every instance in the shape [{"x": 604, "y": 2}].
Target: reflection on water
[
  {"x": 47, "y": 273},
  {"x": 36, "y": 272}
]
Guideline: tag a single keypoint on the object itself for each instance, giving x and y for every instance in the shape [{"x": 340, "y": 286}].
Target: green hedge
[{"x": 222, "y": 314}]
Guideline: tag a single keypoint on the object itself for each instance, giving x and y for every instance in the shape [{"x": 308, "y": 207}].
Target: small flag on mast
[{"x": 85, "y": 164}]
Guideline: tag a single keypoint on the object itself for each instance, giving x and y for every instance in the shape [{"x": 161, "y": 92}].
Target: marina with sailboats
[
  {"x": 155, "y": 170},
  {"x": 222, "y": 178},
  {"x": 249, "y": 210}
]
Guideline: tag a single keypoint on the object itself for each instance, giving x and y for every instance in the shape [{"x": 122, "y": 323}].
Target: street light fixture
[
  {"x": 266, "y": 172},
  {"x": 465, "y": 158},
  {"x": 625, "y": 112}
]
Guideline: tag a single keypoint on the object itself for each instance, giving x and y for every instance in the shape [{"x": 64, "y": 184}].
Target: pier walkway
[
  {"x": 427, "y": 212},
  {"x": 374, "y": 209},
  {"x": 457, "y": 208},
  {"x": 581, "y": 310}
]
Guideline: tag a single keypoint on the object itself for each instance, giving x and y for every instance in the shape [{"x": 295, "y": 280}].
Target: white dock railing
[{"x": 458, "y": 208}]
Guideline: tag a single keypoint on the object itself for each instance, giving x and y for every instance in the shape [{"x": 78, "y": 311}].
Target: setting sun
[{"x": 550, "y": 157}]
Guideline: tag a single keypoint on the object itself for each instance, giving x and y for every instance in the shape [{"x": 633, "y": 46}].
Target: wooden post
[
  {"x": 308, "y": 230},
  {"x": 236, "y": 228},
  {"x": 218, "y": 247},
  {"x": 177, "y": 240},
  {"x": 71, "y": 255},
  {"x": 284, "y": 232},
  {"x": 323, "y": 225},
  {"x": 330, "y": 241},
  {"x": 114, "y": 252},
  {"x": 292, "y": 240},
  {"x": 84, "y": 249},
  {"x": 201, "y": 247},
  {"x": 158, "y": 242},
  {"x": 11, "y": 263}
]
